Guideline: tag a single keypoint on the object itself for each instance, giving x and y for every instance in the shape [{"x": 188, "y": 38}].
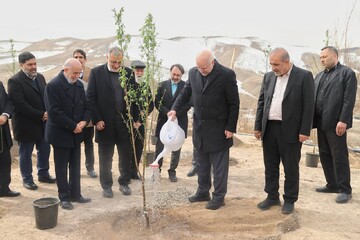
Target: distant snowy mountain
[{"x": 246, "y": 56}]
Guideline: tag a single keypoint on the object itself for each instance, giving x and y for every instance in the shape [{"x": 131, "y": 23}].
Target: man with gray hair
[
  {"x": 110, "y": 117},
  {"x": 68, "y": 116},
  {"x": 283, "y": 122}
]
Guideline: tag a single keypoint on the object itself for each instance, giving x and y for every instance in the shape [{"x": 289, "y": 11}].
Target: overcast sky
[{"x": 301, "y": 22}]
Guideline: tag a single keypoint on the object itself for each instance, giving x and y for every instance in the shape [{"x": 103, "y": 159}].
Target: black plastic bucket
[{"x": 46, "y": 212}]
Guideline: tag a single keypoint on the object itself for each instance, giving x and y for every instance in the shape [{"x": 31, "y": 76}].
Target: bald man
[
  {"x": 68, "y": 115},
  {"x": 283, "y": 122},
  {"x": 214, "y": 92}
]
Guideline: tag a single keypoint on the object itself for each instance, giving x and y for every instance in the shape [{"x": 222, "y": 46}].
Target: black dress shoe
[
  {"x": 125, "y": 190},
  {"x": 9, "y": 194},
  {"x": 173, "y": 178},
  {"x": 287, "y": 208},
  {"x": 92, "y": 173},
  {"x": 80, "y": 200},
  {"x": 192, "y": 172},
  {"x": 108, "y": 193},
  {"x": 268, "y": 203},
  {"x": 326, "y": 190},
  {"x": 213, "y": 205},
  {"x": 66, "y": 205},
  {"x": 46, "y": 179},
  {"x": 343, "y": 198},
  {"x": 30, "y": 186},
  {"x": 199, "y": 198}
]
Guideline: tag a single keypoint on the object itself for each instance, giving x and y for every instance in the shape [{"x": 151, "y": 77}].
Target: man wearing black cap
[
  {"x": 26, "y": 91},
  {"x": 139, "y": 70}
]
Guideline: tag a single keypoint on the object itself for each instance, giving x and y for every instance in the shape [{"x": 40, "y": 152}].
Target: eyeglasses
[{"x": 115, "y": 62}]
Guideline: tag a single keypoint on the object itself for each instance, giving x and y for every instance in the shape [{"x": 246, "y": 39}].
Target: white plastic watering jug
[{"x": 172, "y": 136}]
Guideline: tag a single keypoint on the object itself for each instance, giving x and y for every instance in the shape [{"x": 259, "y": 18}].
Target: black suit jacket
[
  {"x": 164, "y": 100},
  {"x": 339, "y": 98},
  {"x": 29, "y": 107},
  {"x": 216, "y": 107},
  {"x": 297, "y": 104},
  {"x": 101, "y": 96},
  {"x": 65, "y": 111},
  {"x": 5, "y": 107}
]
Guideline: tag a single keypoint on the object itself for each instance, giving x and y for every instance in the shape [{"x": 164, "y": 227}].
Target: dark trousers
[
  {"x": 220, "y": 163},
  {"x": 334, "y": 157},
  {"x": 276, "y": 149},
  {"x": 194, "y": 161},
  {"x": 106, "y": 153},
  {"x": 89, "y": 148},
  {"x": 5, "y": 168},
  {"x": 67, "y": 158},
  {"x": 139, "y": 145},
  {"x": 175, "y": 157},
  {"x": 25, "y": 153}
]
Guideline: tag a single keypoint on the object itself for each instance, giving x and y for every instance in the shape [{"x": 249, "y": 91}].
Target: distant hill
[{"x": 248, "y": 55}]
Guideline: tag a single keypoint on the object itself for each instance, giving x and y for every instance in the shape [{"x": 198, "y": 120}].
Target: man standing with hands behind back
[
  {"x": 26, "y": 91},
  {"x": 283, "y": 122},
  {"x": 335, "y": 90}
]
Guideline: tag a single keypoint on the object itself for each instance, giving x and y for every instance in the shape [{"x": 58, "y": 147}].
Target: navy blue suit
[{"x": 66, "y": 106}]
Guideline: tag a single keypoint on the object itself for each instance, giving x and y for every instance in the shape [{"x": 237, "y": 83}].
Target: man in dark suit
[
  {"x": 26, "y": 91},
  {"x": 109, "y": 114},
  {"x": 6, "y": 110},
  {"x": 68, "y": 116},
  {"x": 335, "y": 90},
  {"x": 215, "y": 98},
  {"x": 166, "y": 95},
  {"x": 80, "y": 55},
  {"x": 283, "y": 121}
]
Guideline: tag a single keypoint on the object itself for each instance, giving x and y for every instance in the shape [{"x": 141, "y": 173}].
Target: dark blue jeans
[{"x": 25, "y": 153}]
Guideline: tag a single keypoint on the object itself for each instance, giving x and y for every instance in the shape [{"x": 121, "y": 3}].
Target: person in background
[
  {"x": 166, "y": 95},
  {"x": 109, "y": 114},
  {"x": 68, "y": 116},
  {"x": 80, "y": 55},
  {"x": 139, "y": 70},
  {"x": 6, "y": 110},
  {"x": 26, "y": 91},
  {"x": 283, "y": 122},
  {"x": 215, "y": 98},
  {"x": 335, "y": 90},
  {"x": 192, "y": 171}
]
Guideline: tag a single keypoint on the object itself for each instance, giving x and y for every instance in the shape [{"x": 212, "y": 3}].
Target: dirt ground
[{"x": 316, "y": 215}]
